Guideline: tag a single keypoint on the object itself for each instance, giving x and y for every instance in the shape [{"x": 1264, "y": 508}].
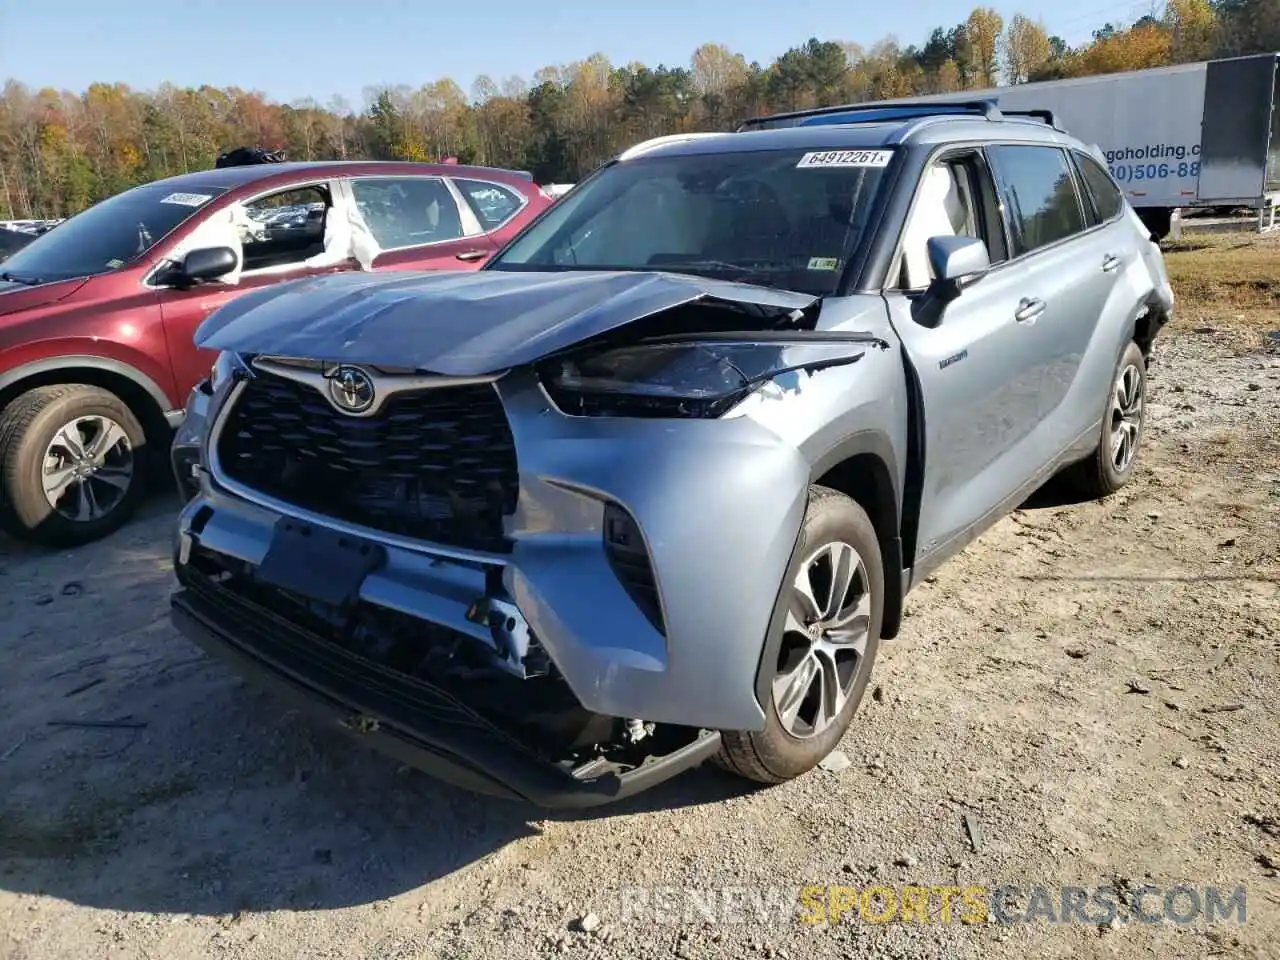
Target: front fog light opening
[
  {"x": 186, "y": 470},
  {"x": 624, "y": 546}
]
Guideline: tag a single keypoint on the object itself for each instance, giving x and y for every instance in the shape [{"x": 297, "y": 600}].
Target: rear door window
[
  {"x": 408, "y": 211},
  {"x": 1039, "y": 194}
]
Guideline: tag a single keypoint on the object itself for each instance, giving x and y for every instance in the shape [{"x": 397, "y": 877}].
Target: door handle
[
  {"x": 471, "y": 255},
  {"x": 1028, "y": 309},
  {"x": 1110, "y": 262}
]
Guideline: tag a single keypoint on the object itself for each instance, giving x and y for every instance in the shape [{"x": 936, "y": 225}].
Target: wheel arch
[
  {"x": 864, "y": 468},
  {"x": 1148, "y": 319},
  {"x": 143, "y": 395}
]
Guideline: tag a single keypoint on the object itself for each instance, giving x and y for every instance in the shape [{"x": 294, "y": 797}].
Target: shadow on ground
[
  {"x": 1058, "y": 491},
  {"x": 203, "y": 795}
]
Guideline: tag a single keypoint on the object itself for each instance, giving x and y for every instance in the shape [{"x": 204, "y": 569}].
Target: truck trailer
[{"x": 1193, "y": 135}]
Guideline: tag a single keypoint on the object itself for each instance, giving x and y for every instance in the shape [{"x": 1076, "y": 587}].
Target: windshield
[
  {"x": 107, "y": 235},
  {"x": 779, "y": 218}
]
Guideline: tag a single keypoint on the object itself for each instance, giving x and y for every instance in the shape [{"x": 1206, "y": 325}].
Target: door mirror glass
[{"x": 207, "y": 263}]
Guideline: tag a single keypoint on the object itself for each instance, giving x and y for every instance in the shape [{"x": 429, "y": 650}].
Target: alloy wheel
[
  {"x": 824, "y": 640},
  {"x": 88, "y": 468},
  {"x": 1126, "y": 417}
]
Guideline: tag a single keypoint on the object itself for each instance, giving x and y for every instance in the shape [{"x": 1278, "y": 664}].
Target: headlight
[{"x": 689, "y": 378}]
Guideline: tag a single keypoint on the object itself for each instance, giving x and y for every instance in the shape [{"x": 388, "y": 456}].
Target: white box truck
[{"x": 1193, "y": 135}]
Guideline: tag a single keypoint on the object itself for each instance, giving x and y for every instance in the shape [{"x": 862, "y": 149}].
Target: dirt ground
[{"x": 1087, "y": 697}]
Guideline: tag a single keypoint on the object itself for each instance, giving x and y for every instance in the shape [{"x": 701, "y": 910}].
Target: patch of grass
[
  {"x": 1226, "y": 284},
  {"x": 78, "y": 829},
  {"x": 1225, "y": 273}
]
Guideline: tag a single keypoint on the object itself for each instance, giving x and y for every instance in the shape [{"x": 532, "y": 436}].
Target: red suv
[{"x": 97, "y": 315}]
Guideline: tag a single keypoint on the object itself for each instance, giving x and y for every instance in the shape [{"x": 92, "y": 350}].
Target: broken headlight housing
[
  {"x": 687, "y": 378},
  {"x": 228, "y": 366}
]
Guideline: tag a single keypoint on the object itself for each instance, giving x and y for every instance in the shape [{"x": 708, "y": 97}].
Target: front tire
[
  {"x": 1111, "y": 464},
  {"x": 829, "y": 644},
  {"x": 70, "y": 464}
]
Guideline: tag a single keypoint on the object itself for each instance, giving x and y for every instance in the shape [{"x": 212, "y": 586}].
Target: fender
[
  {"x": 864, "y": 442},
  {"x": 69, "y": 361},
  {"x": 873, "y": 442},
  {"x": 888, "y": 523}
]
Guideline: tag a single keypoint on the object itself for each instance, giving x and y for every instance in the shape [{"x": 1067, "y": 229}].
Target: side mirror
[
  {"x": 206, "y": 263},
  {"x": 955, "y": 262}
]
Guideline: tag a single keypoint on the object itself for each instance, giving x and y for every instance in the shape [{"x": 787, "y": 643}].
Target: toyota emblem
[{"x": 351, "y": 390}]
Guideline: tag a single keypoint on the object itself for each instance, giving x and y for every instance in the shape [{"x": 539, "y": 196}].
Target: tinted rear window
[{"x": 1039, "y": 193}]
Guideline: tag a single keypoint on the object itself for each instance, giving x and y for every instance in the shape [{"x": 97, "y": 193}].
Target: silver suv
[{"x": 651, "y": 487}]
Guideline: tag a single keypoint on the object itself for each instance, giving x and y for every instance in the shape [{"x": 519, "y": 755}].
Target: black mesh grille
[{"x": 434, "y": 465}]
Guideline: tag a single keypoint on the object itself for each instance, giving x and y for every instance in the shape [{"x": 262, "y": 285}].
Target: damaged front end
[
  {"x": 479, "y": 557},
  {"x": 435, "y": 697}
]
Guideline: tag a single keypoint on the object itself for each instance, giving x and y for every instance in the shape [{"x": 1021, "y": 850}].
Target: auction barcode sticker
[
  {"x": 846, "y": 158},
  {"x": 187, "y": 199}
]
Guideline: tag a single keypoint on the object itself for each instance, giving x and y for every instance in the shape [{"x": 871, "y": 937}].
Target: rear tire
[
  {"x": 802, "y": 725},
  {"x": 1111, "y": 464},
  {"x": 70, "y": 464}
]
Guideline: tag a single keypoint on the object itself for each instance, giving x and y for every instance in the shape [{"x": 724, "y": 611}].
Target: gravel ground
[{"x": 1085, "y": 697}]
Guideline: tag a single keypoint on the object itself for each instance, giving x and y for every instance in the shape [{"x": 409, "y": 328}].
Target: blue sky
[{"x": 291, "y": 49}]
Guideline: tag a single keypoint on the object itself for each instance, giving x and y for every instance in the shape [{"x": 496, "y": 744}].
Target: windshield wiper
[
  {"x": 761, "y": 267},
  {"x": 27, "y": 281}
]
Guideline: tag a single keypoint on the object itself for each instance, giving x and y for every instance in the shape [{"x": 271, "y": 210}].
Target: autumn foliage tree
[
  {"x": 1026, "y": 48},
  {"x": 61, "y": 151}
]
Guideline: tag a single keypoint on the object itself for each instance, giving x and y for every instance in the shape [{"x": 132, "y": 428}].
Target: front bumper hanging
[{"x": 413, "y": 721}]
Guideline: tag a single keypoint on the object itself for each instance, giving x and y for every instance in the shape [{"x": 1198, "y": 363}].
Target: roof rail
[
  {"x": 909, "y": 110},
  {"x": 1048, "y": 116},
  {"x": 646, "y": 145},
  {"x": 987, "y": 108}
]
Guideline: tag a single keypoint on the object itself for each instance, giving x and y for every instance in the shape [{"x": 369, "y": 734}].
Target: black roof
[
  {"x": 863, "y": 135},
  {"x": 231, "y": 177}
]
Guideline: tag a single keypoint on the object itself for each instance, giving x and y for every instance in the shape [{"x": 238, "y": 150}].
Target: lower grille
[{"x": 436, "y": 465}]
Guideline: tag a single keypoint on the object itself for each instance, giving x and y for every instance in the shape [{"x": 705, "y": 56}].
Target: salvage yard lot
[{"x": 1090, "y": 690}]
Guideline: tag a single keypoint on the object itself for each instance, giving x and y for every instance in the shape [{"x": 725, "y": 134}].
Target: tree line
[{"x": 61, "y": 151}]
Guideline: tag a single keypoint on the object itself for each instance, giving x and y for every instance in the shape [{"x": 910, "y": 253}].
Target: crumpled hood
[
  {"x": 23, "y": 296},
  {"x": 458, "y": 323}
]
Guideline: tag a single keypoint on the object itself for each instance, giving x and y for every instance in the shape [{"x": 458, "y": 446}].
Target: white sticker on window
[
  {"x": 824, "y": 263},
  {"x": 188, "y": 199},
  {"x": 846, "y": 158}
]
